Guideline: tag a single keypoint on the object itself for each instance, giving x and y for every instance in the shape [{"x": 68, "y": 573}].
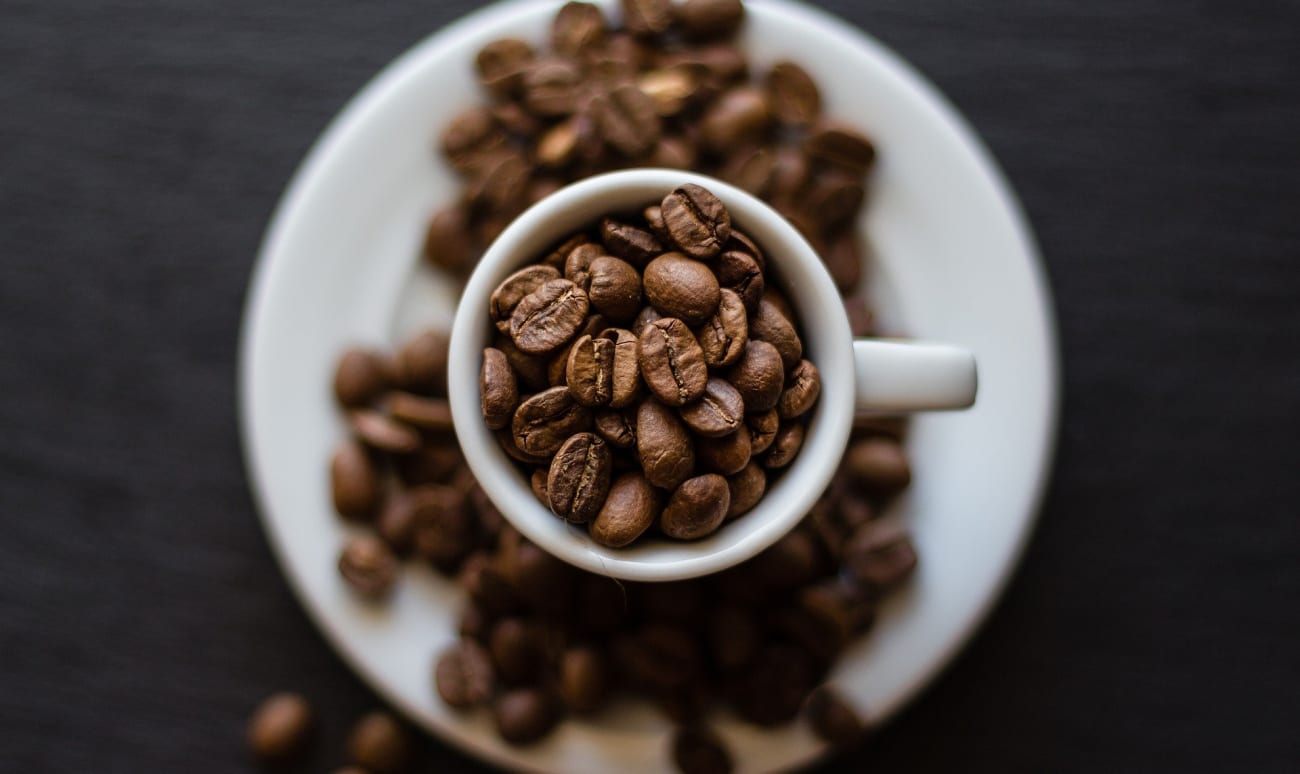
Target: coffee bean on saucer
[
  {"x": 383, "y": 433},
  {"x": 577, "y": 28},
  {"x": 647, "y": 18},
  {"x": 354, "y": 481},
  {"x": 696, "y": 750},
  {"x": 880, "y": 554},
  {"x": 840, "y": 146},
  {"x": 501, "y": 65},
  {"x": 280, "y": 726},
  {"x": 832, "y": 718},
  {"x": 878, "y": 465},
  {"x": 368, "y": 565},
  {"x": 793, "y": 94},
  {"x": 422, "y": 363},
  {"x": 710, "y": 18},
  {"x": 584, "y": 678},
  {"x": 360, "y": 377},
  {"x": 432, "y": 415},
  {"x": 736, "y": 119},
  {"x": 524, "y": 715}
]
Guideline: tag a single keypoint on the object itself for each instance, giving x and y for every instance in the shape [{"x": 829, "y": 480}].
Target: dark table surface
[{"x": 1153, "y": 626}]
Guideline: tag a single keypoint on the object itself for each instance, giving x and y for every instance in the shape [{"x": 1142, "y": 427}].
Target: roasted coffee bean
[
  {"x": 617, "y": 427},
  {"x": 740, "y": 272},
  {"x": 843, "y": 259},
  {"x": 378, "y": 743},
  {"x": 578, "y": 28},
  {"x": 840, "y": 146},
  {"x": 557, "y": 146},
  {"x": 497, "y": 185},
  {"x": 508, "y": 443},
  {"x": 469, "y": 136},
  {"x": 721, "y": 62},
  {"x": 498, "y": 390},
  {"x": 627, "y": 119},
  {"x": 435, "y": 462},
  {"x": 696, "y": 508},
  {"x": 464, "y": 676},
  {"x": 354, "y": 481},
  {"x": 615, "y": 62},
  {"x": 543, "y": 582},
  {"x": 833, "y": 199},
  {"x": 546, "y": 420},
  {"x": 719, "y": 411},
  {"x": 726, "y": 455},
  {"x": 361, "y": 375},
  {"x": 515, "y": 119},
  {"x": 548, "y": 317},
  {"x": 790, "y": 173},
  {"x": 584, "y": 679},
  {"x": 663, "y": 445},
  {"x": 746, "y": 488},
  {"x": 432, "y": 415},
  {"x": 672, "y": 363},
  {"x": 422, "y": 363},
  {"x": 537, "y": 482},
  {"x": 579, "y": 478},
  {"x": 647, "y": 18},
  {"x": 832, "y": 718},
  {"x": 530, "y": 370},
  {"x": 762, "y": 429},
  {"x": 513, "y": 289},
  {"x": 368, "y": 565},
  {"x": 631, "y": 243},
  {"x": 878, "y": 465},
  {"x": 516, "y": 650},
  {"x": 674, "y": 153},
  {"x": 657, "y": 655},
  {"x": 626, "y": 379},
  {"x": 770, "y": 325},
  {"x": 697, "y": 221},
  {"x": 501, "y": 65},
  {"x": 552, "y": 88},
  {"x": 556, "y": 258},
  {"x": 802, "y": 387},
  {"x": 742, "y": 242},
  {"x": 738, "y": 118},
  {"x": 383, "y": 433},
  {"x": 710, "y": 18},
  {"x": 523, "y": 716},
  {"x": 671, "y": 89},
  {"x": 723, "y": 336},
  {"x": 444, "y": 528},
  {"x": 577, "y": 266},
  {"x": 446, "y": 242},
  {"x": 630, "y": 508},
  {"x": 772, "y": 689},
  {"x": 487, "y": 585},
  {"x": 280, "y": 726},
  {"x": 615, "y": 289},
  {"x": 698, "y": 751},
  {"x": 396, "y": 521},
  {"x": 683, "y": 288},
  {"x": 793, "y": 94},
  {"x": 589, "y": 372},
  {"x": 647, "y": 315},
  {"x": 654, "y": 218},
  {"x": 758, "y": 375},
  {"x": 786, "y": 445},
  {"x": 880, "y": 554}
]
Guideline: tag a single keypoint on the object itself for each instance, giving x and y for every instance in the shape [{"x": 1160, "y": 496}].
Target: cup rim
[{"x": 827, "y": 342}]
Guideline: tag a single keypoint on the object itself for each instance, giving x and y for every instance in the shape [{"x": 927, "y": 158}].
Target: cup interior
[{"x": 827, "y": 343}]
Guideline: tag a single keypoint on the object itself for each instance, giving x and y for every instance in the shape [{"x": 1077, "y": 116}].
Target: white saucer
[{"x": 956, "y": 263}]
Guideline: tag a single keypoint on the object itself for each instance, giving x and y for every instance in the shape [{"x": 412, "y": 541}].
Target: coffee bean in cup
[{"x": 696, "y": 373}]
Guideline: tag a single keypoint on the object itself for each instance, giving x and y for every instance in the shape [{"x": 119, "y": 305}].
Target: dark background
[{"x": 1153, "y": 626}]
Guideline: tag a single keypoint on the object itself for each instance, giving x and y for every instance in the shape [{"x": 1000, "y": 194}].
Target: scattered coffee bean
[
  {"x": 832, "y": 718},
  {"x": 878, "y": 465},
  {"x": 360, "y": 377},
  {"x": 523, "y": 715},
  {"x": 470, "y": 136},
  {"x": 738, "y": 118},
  {"x": 432, "y": 415},
  {"x": 280, "y": 726},
  {"x": 578, "y": 28},
  {"x": 516, "y": 651},
  {"x": 378, "y": 743},
  {"x": 792, "y": 94},
  {"x": 584, "y": 679},
  {"x": 379, "y": 431},
  {"x": 422, "y": 363},
  {"x": 627, "y": 118},
  {"x": 354, "y": 481},
  {"x": 368, "y": 565},
  {"x": 840, "y": 146},
  {"x": 552, "y": 88},
  {"x": 880, "y": 554}
]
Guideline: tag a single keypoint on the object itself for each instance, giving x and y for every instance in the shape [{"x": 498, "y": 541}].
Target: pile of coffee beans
[
  {"x": 675, "y": 381},
  {"x": 539, "y": 638},
  {"x": 281, "y": 728}
]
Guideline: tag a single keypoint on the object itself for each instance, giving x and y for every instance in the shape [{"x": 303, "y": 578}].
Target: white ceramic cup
[{"x": 858, "y": 376}]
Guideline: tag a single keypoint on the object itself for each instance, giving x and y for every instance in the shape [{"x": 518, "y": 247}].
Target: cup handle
[{"x": 897, "y": 377}]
